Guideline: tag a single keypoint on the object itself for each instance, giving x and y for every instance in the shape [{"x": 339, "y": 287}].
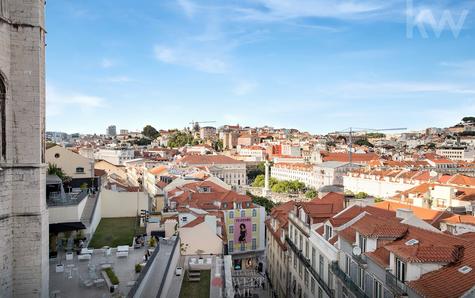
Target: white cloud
[
  {"x": 188, "y": 7},
  {"x": 244, "y": 88},
  {"x": 399, "y": 87},
  {"x": 190, "y": 58},
  {"x": 277, "y": 10},
  {"x": 466, "y": 68},
  {"x": 57, "y": 101}
]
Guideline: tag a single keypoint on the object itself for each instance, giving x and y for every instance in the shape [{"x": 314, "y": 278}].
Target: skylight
[
  {"x": 465, "y": 269},
  {"x": 412, "y": 242}
]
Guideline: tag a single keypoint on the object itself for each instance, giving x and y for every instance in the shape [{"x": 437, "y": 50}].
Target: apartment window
[
  {"x": 243, "y": 247},
  {"x": 254, "y": 212},
  {"x": 312, "y": 285},
  {"x": 347, "y": 265},
  {"x": 306, "y": 277},
  {"x": 361, "y": 278},
  {"x": 344, "y": 292},
  {"x": 225, "y": 205},
  {"x": 320, "y": 292},
  {"x": 377, "y": 289},
  {"x": 295, "y": 261},
  {"x": 330, "y": 276},
  {"x": 300, "y": 242},
  {"x": 314, "y": 257},
  {"x": 320, "y": 267},
  {"x": 80, "y": 170},
  {"x": 231, "y": 229},
  {"x": 231, "y": 214},
  {"x": 238, "y": 205},
  {"x": 328, "y": 232},
  {"x": 243, "y": 213},
  {"x": 254, "y": 243},
  {"x": 306, "y": 248},
  {"x": 57, "y": 155},
  {"x": 362, "y": 241},
  {"x": 300, "y": 269},
  {"x": 231, "y": 246},
  {"x": 254, "y": 227},
  {"x": 400, "y": 270}
]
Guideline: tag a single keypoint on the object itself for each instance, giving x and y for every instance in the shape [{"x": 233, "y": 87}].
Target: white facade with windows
[
  {"x": 462, "y": 154},
  {"x": 116, "y": 157}
]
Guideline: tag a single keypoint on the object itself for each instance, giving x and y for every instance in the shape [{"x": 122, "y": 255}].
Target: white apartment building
[
  {"x": 383, "y": 184},
  {"x": 74, "y": 165},
  {"x": 229, "y": 170},
  {"x": 438, "y": 197},
  {"x": 252, "y": 153},
  {"x": 462, "y": 154},
  {"x": 315, "y": 176},
  {"x": 115, "y": 156},
  {"x": 301, "y": 172},
  {"x": 207, "y": 132},
  {"x": 291, "y": 150}
]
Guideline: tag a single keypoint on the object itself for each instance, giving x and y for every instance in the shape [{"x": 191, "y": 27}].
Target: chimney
[{"x": 404, "y": 213}]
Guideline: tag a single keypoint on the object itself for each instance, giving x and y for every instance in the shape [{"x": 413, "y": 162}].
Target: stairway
[{"x": 86, "y": 215}]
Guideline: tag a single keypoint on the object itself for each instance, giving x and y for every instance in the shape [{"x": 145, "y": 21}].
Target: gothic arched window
[{"x": 3, "y": 120}]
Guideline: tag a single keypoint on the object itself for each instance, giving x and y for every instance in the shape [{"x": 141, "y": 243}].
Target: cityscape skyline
[{"x": 318, "y": 66}]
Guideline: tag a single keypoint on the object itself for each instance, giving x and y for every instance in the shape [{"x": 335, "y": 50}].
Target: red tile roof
[
  {"x": 448, "y": 281},
  {"x": 199, "y": 220}
]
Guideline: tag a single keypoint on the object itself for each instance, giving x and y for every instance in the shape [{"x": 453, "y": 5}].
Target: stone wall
[{"x": 23, "y": 214}]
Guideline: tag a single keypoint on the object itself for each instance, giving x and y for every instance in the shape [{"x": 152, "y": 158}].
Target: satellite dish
[{"x": 357, "y": 250}]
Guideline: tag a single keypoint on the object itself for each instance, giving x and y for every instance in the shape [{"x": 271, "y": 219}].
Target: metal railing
[
  {"x": 308, "y": 265},
  {"x": 397, "y": 287},
  {"x": 349, "y": 283},
  {"x": 67, "y": 199}
]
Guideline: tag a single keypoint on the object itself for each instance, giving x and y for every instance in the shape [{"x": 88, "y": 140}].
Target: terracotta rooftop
[
  {"x": 448, "y": 281},
  {"x": 208, "y": 160}
]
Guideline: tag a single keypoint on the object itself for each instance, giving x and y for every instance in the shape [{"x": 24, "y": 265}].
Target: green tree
[
  {"x": 142, "y": 142},
  {"x": 218, "y": 145},
  {"x": 180, "y": 139},
  {"x": 361, "y": 195},
  {"x": 468, "y": 119},
  {"x": 53, "y": 169},
  {"x": 364, "y": 142},
  {"x": 256, "y": 171},
  {"x": 262, "y": 201},
  {"x": 311, "y": 193},
  {"x": 150, "y": 132}
]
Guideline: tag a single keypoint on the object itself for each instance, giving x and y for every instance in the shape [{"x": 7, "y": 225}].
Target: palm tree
[{"x": 53, "y": 169}]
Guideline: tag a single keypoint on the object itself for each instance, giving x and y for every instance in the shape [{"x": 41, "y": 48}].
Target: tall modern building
[
  {"x": 24, "y": 266},
  {"x": 111, "y": 130}
]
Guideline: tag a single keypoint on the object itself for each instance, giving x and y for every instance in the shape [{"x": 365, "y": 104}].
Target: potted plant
[{"x": 138, "y": 268}]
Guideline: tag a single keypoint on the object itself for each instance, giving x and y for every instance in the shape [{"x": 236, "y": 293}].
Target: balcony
[
  {"x": 398, "y": 287},
  {"x": 349, "y": 283},
  {"x": 308, "y": 265}
]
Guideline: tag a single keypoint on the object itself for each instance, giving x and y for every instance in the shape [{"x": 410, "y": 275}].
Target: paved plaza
[{"x": 79, "y": 276}]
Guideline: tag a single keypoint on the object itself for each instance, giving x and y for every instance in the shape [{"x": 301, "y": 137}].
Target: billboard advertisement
[{"x": 242, "y": 230}]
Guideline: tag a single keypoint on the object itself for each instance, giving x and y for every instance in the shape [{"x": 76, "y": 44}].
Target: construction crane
[
  {"x": 196, "y": 124},
  {"x": 352, "y": 130}
]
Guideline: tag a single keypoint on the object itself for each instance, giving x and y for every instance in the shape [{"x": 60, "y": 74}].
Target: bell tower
[{"x": 24, "y": 266}]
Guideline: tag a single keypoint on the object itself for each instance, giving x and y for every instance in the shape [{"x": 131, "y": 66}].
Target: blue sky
[{"x": 314, "y": 65}]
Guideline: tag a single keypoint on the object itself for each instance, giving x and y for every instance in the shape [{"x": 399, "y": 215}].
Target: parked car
[{"x": 178, "y": 271}]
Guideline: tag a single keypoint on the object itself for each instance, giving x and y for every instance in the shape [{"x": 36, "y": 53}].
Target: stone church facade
[{"x": 24, "y": 267}]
